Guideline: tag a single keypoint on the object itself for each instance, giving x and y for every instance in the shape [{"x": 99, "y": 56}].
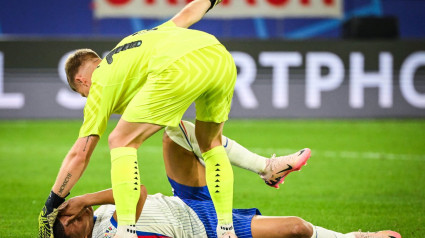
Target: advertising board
[{"x": 276, "y": 79}]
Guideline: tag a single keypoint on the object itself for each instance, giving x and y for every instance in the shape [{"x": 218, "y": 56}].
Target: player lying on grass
[{"x": 190, "y": 213}]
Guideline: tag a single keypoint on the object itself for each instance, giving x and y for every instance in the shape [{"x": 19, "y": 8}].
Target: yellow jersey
[{"x": 123, "y": 72}]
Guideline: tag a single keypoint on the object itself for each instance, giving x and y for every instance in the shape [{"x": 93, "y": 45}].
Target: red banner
[{"x": 226, "y": 9}]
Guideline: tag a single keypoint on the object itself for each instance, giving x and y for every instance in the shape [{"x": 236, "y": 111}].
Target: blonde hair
[{"x": 74, "y": 61}]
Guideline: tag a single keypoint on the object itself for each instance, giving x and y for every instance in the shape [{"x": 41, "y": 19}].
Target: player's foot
[
  {"x": 226, "y": 231},
  {"x": 379, "y": 234},
  {"x": 277, "y": 168}
]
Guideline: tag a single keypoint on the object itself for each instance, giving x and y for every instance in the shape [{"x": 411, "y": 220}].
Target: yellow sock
[
  {"x": 125, "y": 183},
  {"x": 219, "y": 175}
]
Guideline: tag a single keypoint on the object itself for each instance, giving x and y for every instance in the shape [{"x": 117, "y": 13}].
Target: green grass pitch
[{"x": 363, "y": 174}]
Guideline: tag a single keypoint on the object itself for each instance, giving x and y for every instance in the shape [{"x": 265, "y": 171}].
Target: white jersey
[{"x": 162, "y": 216}]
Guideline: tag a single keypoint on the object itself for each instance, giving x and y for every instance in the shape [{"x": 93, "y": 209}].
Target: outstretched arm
[
  {"x": 74, "y": 206},
  {"x": 74, "y": 164},
  {"x": 193, "y": 12}
]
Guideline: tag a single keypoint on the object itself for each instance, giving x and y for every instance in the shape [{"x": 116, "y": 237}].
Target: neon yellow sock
[
  {"x": 219, "y": 175},
  {"x": 125, "y": 183}
]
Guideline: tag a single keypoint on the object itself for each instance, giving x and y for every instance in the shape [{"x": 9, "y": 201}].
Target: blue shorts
[{"x": 198, "y": 198}]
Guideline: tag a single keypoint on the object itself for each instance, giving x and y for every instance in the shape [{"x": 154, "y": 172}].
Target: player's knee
[
  {"x": 118, "y": 139},
  {"x": 114, "y": 139},
  {"x": 111, "y": 139},
  {"x": 300, "y": 228}
]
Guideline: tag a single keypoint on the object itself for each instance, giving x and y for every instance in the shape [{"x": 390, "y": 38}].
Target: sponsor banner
[
  {"x": 226, "y": 9},
  {"x": 276, "y": 79}
]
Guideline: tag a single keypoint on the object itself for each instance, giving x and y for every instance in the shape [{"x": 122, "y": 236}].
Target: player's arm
[
  {"x": 76, "y": 205},
  {"x": 74, "y": 164},
  {"x": 71, "y": 170},
  {"x": 193, "y": 12}
]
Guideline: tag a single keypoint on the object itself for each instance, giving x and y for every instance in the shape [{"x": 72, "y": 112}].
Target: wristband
[{"x": 54, "y": 201}]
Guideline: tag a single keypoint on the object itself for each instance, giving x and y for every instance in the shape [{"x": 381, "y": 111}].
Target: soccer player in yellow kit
[{"x": 151, "y": 77}]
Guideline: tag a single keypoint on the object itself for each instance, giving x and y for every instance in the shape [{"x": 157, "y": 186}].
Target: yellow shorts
[{"x": 205, "y": 76}]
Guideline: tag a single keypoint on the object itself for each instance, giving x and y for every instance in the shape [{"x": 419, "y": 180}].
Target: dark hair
[
  {"x": 59, "y": 230},
  {"x": 74, "y": 62}
]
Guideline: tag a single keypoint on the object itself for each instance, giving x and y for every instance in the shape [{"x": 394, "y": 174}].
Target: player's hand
[
  {"x": 45, "y": 223},
  {"x": 73, "y": 208},
  {"x": 214, "y": 3},
  {"x": 48, "y": 214}
]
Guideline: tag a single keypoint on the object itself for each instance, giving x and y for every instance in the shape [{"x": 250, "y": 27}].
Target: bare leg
[
  {"x": 290, "y": 227},
  {"x": 131, "y": 134},
  {"x": 280, "y": 227},
  {"x": 208, "y": 135},
  {"x": 182, "y": 165}
]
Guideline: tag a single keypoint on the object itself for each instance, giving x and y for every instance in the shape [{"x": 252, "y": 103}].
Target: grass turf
[{"x": 363, "y": 174}]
